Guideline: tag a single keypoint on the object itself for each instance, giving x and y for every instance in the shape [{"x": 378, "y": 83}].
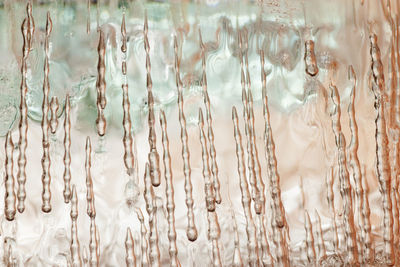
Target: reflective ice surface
[{"x": 300, "y": 106}]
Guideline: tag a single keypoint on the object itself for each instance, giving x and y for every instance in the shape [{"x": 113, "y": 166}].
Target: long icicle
[
  {"x": 154, "y": 158},
  {"x": 244, "y": 189},
  {"x": 191, "y": 230},
  {"x": 129, "y": 159},
  {"x": 67, "y": 150},
  {"x": 101, "y": 122},
  {"x": 76, "y": 259},
  {"x": 382, "y": 160},
  {"x": 255, "y": 193},
  {"x": 169, "y": 193},
  {"x": 356, "y": 168},
  {"x": 27, "y": 29},
  {"x": 94, "y": 254},
  {"x": 344, "y": 178},
  {"x": 278, "y": 211},
  {"x": 46, "y": 177},
  {"x": 210, "y": 132}
]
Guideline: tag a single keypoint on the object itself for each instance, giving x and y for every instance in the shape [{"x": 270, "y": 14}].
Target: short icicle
[
  {"x": 9, "y": 183},
  {"x": 130, "y": 258},
  {"x": 76, "y": 259},
  {"x": 208, "y": 184}
]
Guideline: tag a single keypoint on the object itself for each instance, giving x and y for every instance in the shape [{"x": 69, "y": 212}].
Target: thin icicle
[
  {"x": 310, "y": 249},
  {"x": 148, "y": 190},
  {"x": 67, "y": 150},
  {"x": 88, "y": 17},
  {"x": 101, "y": 86},
  {"x": 208, "y": 184},
  {"x": 344, "y": 178},
  {"x": 9, "y": 183},
  {"x": 54, "y": 106},
  {"x": 255, "y": 193},
  {"x": 214, "y": 233},
  {"x": 330, "y": 196},
  {"x": 129, "y": 159},
  {"x": 278, "y": 211},
  {"x": 94, "y": 256},
  {"x": 154, "y": 158},
  {"x": 130, "y": 258},
  {"x": 244, "y": 189},
  {"x": 143, "y": 241},
  {"x": 356, "y": 168},
  {"x": 153, "y": 240},
  {"x": 74, "y": 246},
  {"x": 320, "y": 239},
  {"x": 46, "y": 177},
  {"x": 210, "y": 133},
  {"x": 191, "y": 230},
  {"x": 91, "y": 211},
  {"x": 169, "y": 193},
  {"x": 23, "y": 110}
]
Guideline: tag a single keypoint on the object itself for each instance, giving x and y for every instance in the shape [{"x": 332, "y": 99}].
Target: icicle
[
  {"x": 129, "y": 159},
  {"x": 53, "y": 118},
  {"x": 46, "y": 177},
  {"x": 309, "y": 58},
  {"x": 356, "y": 168},
  {"x": 320, "y": 239},
  {"x": 91, "y": 211},
  {"x": 191, "y": 230},
  {"x": 153, "y": 240},
  {"x": 254, "y": 151},
  {"x": 101, "y": 86},
  {"x": 214, "y": 233},
  {"x": 208, "y": 185},
  {"x": 93, "y": 245},
  {"x": 88, "y": 17},
  {"x": 255, "y": 193},
  {"x": 210, "y": 133},
  {"x": 130, "y": 258},
  {"x": 237, "y": 257},
  {"x": 75, "y": 248},
  {"x": 345, "y": 187},
  {"x": 148, "y": 190},
  {"x": 67, "y": 150},
  {"x": 309, "y": 239},
  {"x": 244, "y": 189},
  {"x": 143, "y": 233},
  {"x": 154, "y": 158},
  {"x": 169, "y": 193},
  {"x": 23, "y": 110},
  {"x": 279, "y": 217},
  {"x": 9, "y": 183},
  {"x": 331, "y": 203}
]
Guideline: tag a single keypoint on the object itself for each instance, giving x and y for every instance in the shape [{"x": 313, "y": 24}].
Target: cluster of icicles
[{"x": 356, "y": 224}]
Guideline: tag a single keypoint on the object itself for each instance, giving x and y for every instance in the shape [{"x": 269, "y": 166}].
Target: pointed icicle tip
[
  {"x": 351, "y": 73},
  {"x": 201, "y": 119},
  {"x": 234, "y": 113}
]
